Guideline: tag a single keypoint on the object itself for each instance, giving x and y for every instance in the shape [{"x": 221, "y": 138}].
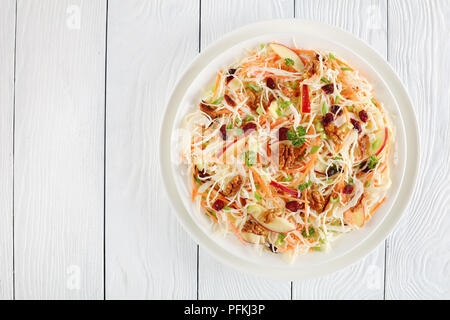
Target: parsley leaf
[{"x": 297, "y": 137}]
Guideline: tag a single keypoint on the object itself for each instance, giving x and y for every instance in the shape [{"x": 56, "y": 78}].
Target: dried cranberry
[
  {"x": 249, "y": 127},
  {"x": 229, "y": 100},
  {"x": 273, "y": 248},
  {"x": 328, "y": 88},
  {"x": 223, "y": 132},
  {"x": 218, "y": 205},
  {"x": 282, "y": 133},
  {"x": 230, "y": 75},
  {"x": 363, "y": 115},
  {"x": 332, "y": 171},
  {"x": 356, "y": 124},
  {"x": 243, "y": 202},
  {"x": 293, "y": 206},
  {"x": 327, "y": 119},
  {"x": 364, "y": 167},
  {"x": 270, "y": 83},
  {"x": 335, "y": 108},
  {"x": 203, "y": 174},
  {"x": 348, "y": 189}
]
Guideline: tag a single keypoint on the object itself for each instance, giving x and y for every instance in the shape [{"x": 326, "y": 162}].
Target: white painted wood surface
[
  {"x": 418, "y": 255},
  {"x": 58, "y": 163},
  {"x": 7, "y": 36},
  {"x": 61, "y": 131},
  {"x": 148, "y": 254}
]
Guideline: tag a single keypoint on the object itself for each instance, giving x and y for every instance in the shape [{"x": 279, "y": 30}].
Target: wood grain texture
[
  {"x": 368, "y": 21},
  {"x": 59, "y": 149},
  {"x": 148, "y": 255},
  {"x": 217, "y": 281},
  {"x": 7, "y": 26},
  {"x": 418, "y": 256}
]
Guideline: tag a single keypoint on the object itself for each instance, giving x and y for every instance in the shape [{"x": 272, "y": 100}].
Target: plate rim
[{"x": 398, "y": 90}]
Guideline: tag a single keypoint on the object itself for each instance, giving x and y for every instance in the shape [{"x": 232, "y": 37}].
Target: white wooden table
[{"x": 83, "y": 86}]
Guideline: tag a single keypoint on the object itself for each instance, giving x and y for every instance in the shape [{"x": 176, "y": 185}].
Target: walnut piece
[
  {"x": 316, "y": 201},
  {"x": 254, "y": 227},
  {"x": 286, "y": 156},
  {"x": 210, "y": 111},
  {"x": 336, "y": 135},
  {"x": 233, "y": 186}
]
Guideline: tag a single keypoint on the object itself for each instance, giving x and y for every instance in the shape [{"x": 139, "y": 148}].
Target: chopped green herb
[
  {"x": 263, "y": 45},
  {"x": 292, "y": 84},
  {"x": 226, "y": 208},
  {"x": 323, "y": 136},
  {"x": 197, "y": 179},
  {"x": 297, "y": 137},
  {"x": 337, "y": 99},
  {"x": 217, "y": 101},
  {"x": 319, "y": 127},
  {"x": 257, "y": 196},
  {"x": 250, "y": 158},
  {"x": 335, "y": 200},
  {"x": 324, "y": 80},
  {"x": 239, "y": 131},
  {"x": 230, "y": 126},
  {"x": 283, "y": 104},
  {"x": 372, "y": 162},
  {"x": 280, "y": 240},
  {"x": 314, "y": 149},
  {"x": 304, "y": 186},
  {"x": 249, "y": 118},
  {"x": 260, "y": 110},
  {"x": 374, "y": 103},
  {"x": 345, "y": 69},
  {"x": 317, "y": 249},
  {"x": 375, "y": 144},
  {"x": 324, "y": 108},
  {"x": 367, "y": 184},
  {"x": 213, "y": 213},
  {"x": 289, "y": 62},
  {"x": 287, "y": 178},
  {"x": 253, "y": 87},
  {"x": 311, "y": 232},
  {"x": 331, "y": 56}
]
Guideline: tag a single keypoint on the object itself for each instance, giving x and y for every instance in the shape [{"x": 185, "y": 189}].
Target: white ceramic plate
[{"x": 388, "y": 90}]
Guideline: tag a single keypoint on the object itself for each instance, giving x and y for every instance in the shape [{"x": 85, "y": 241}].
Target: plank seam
[
  {"x": 386, "y": 241},
  {"x": 199, "y": 49},
  {"x": 104, "y": 153},
  {"x": 13, "y": 156}
]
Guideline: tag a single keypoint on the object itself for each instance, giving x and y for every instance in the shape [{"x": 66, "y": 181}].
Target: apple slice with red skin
[
  {"x": 355, "y": 217},
  {"x": 381, "y": 135},
  {"x": 286, "y": 53},
  {"x": 252, "y": 238},
  {"x": 234, "y": 84},
  {"x": 278, "y": 224},
  {"x": 284, "y": 189}
]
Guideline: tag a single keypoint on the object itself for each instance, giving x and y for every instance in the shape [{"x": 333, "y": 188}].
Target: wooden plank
[
  {"x": 366, "y": 20},
  {"x": 217, "y": 281},
  {"x": 59, "y": 117},
  {"x": 7, "y": 30},
  {"x": 148, "y": 255},
  {"x": 418, "y": 256}
]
